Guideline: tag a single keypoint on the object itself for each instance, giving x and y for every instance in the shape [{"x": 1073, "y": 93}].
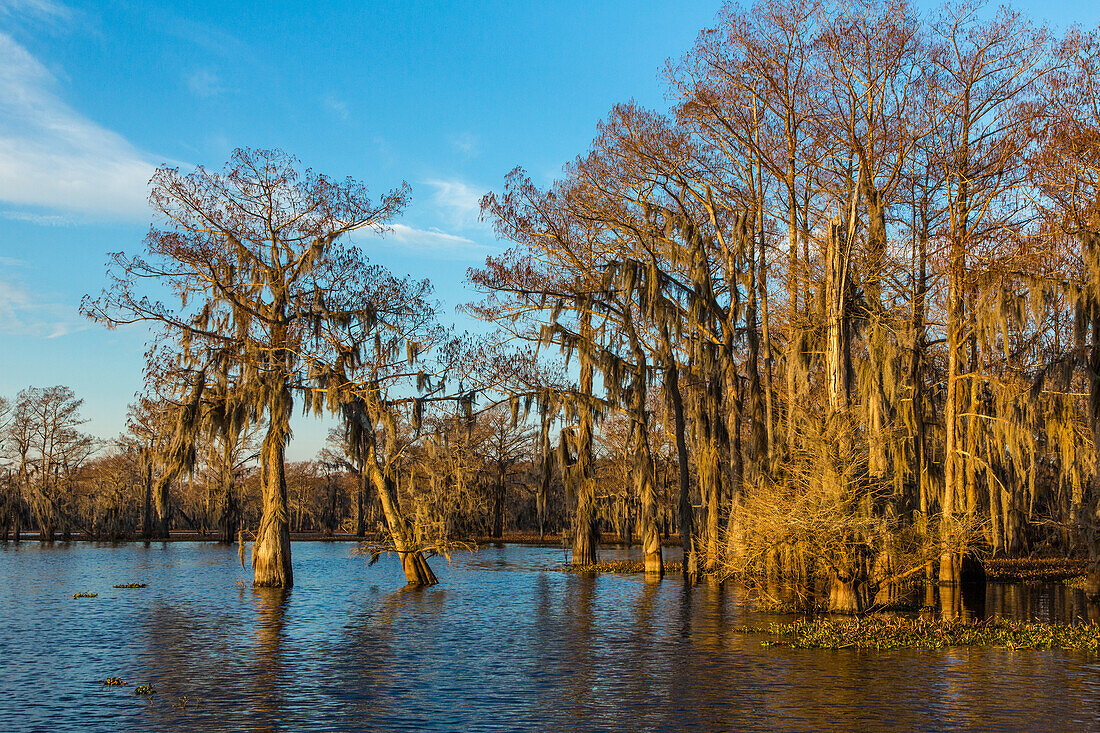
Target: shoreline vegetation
[
  {"x": 1070, "y": 571},
  {"x": 893, "y": 632}
]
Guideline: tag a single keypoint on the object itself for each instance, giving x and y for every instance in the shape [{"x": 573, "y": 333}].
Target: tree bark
[
  {"x": 161, "y": 501},
  {"x": 949, "y": 561},
  {"x": 147, "y": 508},
  {"x": 271, "y": 549},
  {"x": 360, "y": 496},
  {"x": 415, "y": 566},
  {"x": 585, "y": 537},
  {"x": 847, "y": 594},
  {"x": 684, "y": 509},
  {"x": 837, "y": 349},
  {"x": 498, "y": 504}
]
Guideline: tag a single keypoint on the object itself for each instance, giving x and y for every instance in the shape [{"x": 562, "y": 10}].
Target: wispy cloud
[
  {"x": 456, "y": 202},
  {"x": 204, "y": 83},
  {"x": 45, "y": 9},
  {"x": 23, "y": 313},
  {"x": 466, "y": 144},
  {"x": 53, "y": 157},
  {"x": 336, "y": 106},
  {"x": 438, "y": 244},
  {"x": 49, "y": 220}
]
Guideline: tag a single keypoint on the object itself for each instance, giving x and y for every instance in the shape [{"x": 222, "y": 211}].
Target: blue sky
[{"x": 449, "y": 96}]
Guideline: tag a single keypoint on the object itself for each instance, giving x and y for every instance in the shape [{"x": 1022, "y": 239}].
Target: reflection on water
[{"x": 501, "y": 644}]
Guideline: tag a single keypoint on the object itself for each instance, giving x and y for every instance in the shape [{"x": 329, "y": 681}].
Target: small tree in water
[{"x": 260, "y": 273}]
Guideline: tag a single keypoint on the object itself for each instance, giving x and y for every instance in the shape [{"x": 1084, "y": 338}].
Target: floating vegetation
[
  {"x": 622, "y": 567},
  {"x": 111, "y": 682},
  {"x": 85, "y": 594},
  {"x": 181, "y": 702},
  {"x": 144, "y": 690},
  {"x": 130, "y": 585},
  {"x": 917, "y": 633},
  {"x": 1033, "y": 569},
  {"x": 774, "y": 606},
  {"x": 762, "y": 605}
]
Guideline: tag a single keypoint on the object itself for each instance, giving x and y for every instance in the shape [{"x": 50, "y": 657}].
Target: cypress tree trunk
[
  {"x": 230, "y": 517},
  {"x": 684, "y": 509},
  {"x": 643, "y": 483},
  {"x": 360, "y": 496},
  {"x": 949, "y": 562},
  {"x": 769, "y": 414},
  {"x": 271, "y": 550},
  {"x": 876, "y": 338},
  {"x": 543, "y": 491},
  {"x": 585, "y": 541},
  {"x": 847, "y": 593},
  {"x": 792, "y": 284},
  {"x": 712, "y": 447},
  {"x": 498, "y": 504},
  {"x": 758, "y": 429},
  {"x": 163, "y": 507},
  {"x": 837, "y": 357},
  {"x": 1092, "y": 530},
  {"x": 916, "y": 380},
  {"x": 147, "y": 508},
  {"x": 413, "y": 563}
]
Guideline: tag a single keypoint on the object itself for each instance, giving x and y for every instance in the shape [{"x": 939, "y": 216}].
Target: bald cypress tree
[{"x": 256, "y": 260}]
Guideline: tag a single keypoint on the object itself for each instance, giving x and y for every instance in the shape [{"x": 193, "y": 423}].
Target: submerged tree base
[{"x": 916, "y": 633}]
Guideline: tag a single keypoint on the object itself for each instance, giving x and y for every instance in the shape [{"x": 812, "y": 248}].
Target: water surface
[{"x": 504, "y": 643}]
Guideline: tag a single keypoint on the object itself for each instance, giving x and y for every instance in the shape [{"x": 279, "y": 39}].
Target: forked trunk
[
  {"x": 413, "y": 562},
  {"x": 848, "y": 594},
  {"x": 416, "y": 569}
]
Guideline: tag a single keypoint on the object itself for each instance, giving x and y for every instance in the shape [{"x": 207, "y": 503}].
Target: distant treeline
[{"x": 59, "y": 483}]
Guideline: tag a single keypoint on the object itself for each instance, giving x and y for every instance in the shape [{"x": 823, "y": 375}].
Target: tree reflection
[{"x": 270, "y": 617}]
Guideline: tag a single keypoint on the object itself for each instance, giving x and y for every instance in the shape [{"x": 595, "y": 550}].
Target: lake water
[{"x": 504, "y": 643}]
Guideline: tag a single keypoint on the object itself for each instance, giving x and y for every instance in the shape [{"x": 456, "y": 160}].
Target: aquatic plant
[
  {"x": 622, "y": 567},
  {"x": 111, "y": 682},
  {"x": 130, "y": 585},
  {"x": 1033, "y": 569},
  {"x": 920, "y": 633},
  {"x": 85, "y": 594},
  {"x": 144, "y": 690}
]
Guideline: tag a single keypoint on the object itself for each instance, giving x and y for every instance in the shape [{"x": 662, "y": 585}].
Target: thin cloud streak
[
  {"x": 437, "y": 243},
  {"x": 46, "y": 9},
  {"x": 53, "y": 157},
  {"x": 24, "y": 314}
]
